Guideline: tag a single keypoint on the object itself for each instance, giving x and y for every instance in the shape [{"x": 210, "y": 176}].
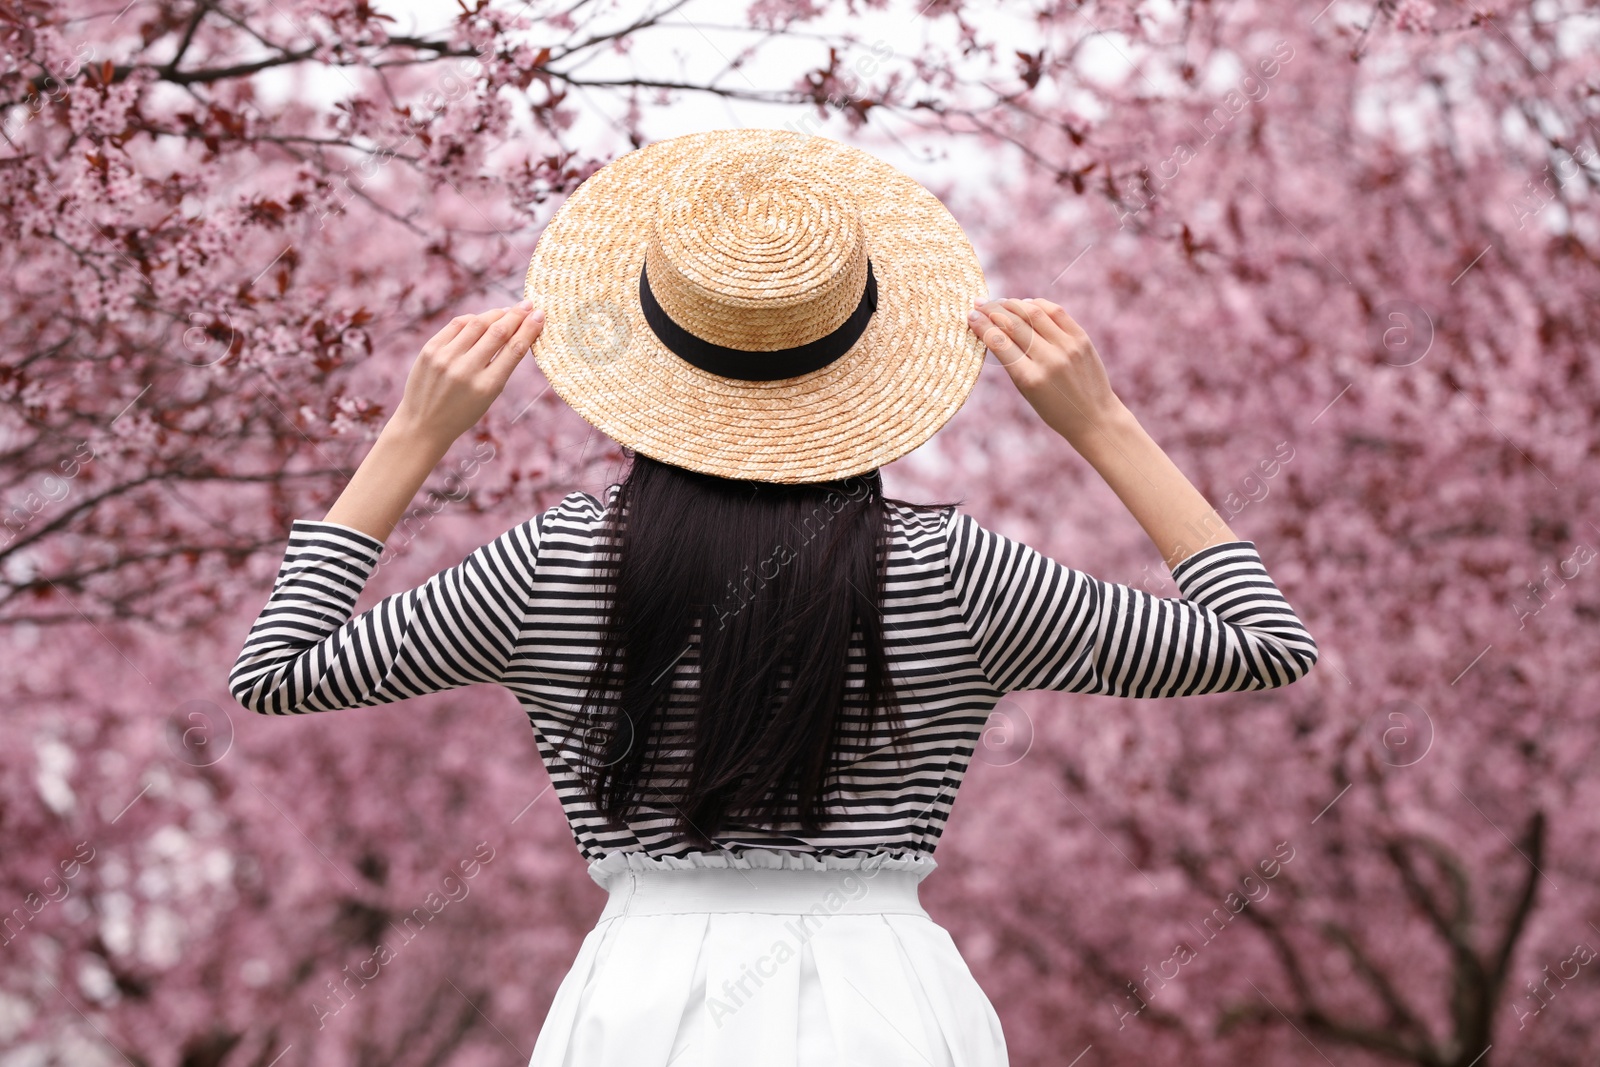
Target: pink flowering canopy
[{"x": 1341, "y": 262}]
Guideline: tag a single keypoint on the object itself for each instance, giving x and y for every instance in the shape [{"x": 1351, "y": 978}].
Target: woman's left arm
[{"x": 304, "y": 652}]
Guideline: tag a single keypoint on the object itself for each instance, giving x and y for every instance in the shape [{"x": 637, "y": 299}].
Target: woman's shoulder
[
  {"x": 578, "y": 513},
  {"x": 919, "y": 514},
  {"x": 921, "y": 528}
]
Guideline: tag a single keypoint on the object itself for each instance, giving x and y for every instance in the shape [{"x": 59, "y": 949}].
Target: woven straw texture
[{"x": 757, "y": 240}]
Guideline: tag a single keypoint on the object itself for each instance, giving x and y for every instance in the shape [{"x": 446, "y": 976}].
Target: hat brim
[{"x": 907, "y": 374}]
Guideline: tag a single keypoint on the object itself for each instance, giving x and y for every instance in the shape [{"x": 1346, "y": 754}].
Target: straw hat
[{"x": 757, "y": 304}]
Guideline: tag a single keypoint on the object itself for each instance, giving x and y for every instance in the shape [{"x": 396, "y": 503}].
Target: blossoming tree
[{"x": 1341, "y": 261}]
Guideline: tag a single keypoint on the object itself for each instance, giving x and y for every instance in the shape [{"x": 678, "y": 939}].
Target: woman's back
[{"x": 889, "y": 797}]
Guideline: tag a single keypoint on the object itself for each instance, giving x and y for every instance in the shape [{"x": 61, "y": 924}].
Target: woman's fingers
[
  {"x": 1032, "y": 328},
  {"x": 990, "y": 324},
  {"x": 1019, "y": 327},
  {"x": 512, "y": 354},
  {"x": 1058, "y": 315},
  {"x": 1044, "y": 324},
  {"x": 499, "y": 331},
  {"x": 1012, "y": 317},
  {"x": 993, "y": 337},
  {"x": 447, "y": 333},
  {"x": 475, "y": 329}
]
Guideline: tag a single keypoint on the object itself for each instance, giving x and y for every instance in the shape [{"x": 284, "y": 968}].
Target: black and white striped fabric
[{"x": 970, "y": 615}]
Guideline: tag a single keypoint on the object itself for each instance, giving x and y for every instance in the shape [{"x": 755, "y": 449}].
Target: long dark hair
[{"x": 760, "y": 588}]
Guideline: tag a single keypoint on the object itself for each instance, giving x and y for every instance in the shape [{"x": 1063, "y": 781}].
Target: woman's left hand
[{"x": 463, "y": 368}]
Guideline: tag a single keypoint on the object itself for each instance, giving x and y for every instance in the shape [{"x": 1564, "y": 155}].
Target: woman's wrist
[
  {"x": 413, "y": 432},
  {"x": 1106, "y": 436}
]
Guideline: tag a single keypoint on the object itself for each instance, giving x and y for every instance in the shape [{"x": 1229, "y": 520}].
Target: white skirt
[{"x": 767, "y": 959}]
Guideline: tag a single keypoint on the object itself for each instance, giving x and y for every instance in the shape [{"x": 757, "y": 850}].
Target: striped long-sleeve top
[{"x": 969, "y": 615}]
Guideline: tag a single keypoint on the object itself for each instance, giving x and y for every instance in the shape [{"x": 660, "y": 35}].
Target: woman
[{"x": 755, "y": 681}]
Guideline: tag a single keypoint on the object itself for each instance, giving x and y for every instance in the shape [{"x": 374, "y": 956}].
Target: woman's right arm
[{"x": 1039, "y": 625}]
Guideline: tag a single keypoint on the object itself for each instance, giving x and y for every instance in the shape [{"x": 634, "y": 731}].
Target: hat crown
[{"x": 759, "y": 251}]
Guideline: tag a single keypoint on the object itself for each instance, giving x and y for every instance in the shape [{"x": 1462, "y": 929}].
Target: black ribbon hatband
[{"x": 753, "y": 366}]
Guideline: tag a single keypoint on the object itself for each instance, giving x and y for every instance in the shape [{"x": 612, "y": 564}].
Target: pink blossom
[{"x": 1359, "y": 320}]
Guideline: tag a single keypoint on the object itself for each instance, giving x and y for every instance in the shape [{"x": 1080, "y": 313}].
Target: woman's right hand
[{"x": 1053, "y": 363}]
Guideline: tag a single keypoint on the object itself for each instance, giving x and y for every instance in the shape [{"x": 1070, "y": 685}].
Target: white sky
[{"x": 698, "y": 39}]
